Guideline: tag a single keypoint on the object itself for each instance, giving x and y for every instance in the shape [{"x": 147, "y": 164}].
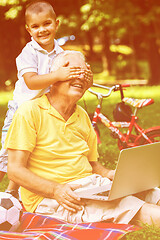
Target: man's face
[
  {"x": 77, "y": 87},
  {"x": 42, "y": 27}
]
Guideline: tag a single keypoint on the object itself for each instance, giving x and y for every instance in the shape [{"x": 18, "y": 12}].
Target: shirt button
[{"x": 49, "y": 61}]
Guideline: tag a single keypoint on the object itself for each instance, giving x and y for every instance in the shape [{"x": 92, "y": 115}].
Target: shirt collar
[{"x": 45, "y": 104}]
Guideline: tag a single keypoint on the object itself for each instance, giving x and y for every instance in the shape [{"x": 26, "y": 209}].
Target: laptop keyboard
[{"x": 106, "y": 193}]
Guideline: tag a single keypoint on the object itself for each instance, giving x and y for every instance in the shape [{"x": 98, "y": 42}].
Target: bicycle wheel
[{"x": 153, "y": 135}]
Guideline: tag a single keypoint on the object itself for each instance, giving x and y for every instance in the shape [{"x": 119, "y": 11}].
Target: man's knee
[{"x": 148, "y": 213}]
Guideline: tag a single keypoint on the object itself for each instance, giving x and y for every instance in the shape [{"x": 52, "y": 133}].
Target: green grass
[
  {"x": 147, "y": 232},
  {"x": 4, "y": 98},
  {"x": 108, "y": 150}
]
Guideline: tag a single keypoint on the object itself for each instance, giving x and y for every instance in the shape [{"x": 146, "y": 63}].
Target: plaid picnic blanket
[{"x": 34, "y": 226}]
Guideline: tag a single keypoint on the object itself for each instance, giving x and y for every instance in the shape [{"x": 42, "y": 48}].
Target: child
[{"x": 33, "y": 64}]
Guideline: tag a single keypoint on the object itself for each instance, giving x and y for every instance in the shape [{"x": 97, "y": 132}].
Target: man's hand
[
  {"x": 101, "y": 170},
  {"x": 65, "y": 196},
  {"x": 111, "y": 174}
]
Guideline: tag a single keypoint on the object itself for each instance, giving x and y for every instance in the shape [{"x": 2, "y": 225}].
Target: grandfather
[{"x": 52, "y": 151}]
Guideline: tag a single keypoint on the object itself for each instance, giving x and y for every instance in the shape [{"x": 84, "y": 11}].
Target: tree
[
  {"x": 11, "y": 37},
  {"x": 97, "y": 21},
  {"x": 150, "y": 23},
  {"x": 134, "y": 23}
]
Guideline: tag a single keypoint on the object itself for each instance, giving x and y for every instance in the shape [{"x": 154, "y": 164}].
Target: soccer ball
[{"x": 10, "y": 212}]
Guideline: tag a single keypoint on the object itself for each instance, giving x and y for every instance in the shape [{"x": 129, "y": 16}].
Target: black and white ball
[{"x": 10, "y": 212}]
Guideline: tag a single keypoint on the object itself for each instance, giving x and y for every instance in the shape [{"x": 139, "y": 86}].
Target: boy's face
[{"x": 42, "y": 27}]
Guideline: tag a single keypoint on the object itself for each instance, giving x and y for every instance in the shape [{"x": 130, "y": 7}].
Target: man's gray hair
[{"x": 58, "y": 60}]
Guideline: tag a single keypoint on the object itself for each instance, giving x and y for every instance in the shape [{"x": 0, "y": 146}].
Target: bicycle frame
[
  {"x": 113, "y": 126},
  {"x": 127, "y": 139}
]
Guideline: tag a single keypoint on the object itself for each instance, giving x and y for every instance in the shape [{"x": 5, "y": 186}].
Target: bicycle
[{"x": 124, "y": 118}]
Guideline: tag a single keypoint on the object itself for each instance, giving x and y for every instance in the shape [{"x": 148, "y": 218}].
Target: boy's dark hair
[{"x": 38, "y": 6}]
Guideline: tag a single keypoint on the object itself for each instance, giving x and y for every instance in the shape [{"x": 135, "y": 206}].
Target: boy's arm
[{"x": 35, "y": 81}]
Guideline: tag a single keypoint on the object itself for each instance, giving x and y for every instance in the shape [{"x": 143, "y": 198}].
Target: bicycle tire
[{"x": 153, "y": 135}]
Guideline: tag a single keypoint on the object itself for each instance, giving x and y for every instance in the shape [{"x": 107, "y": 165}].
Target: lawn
[{"x": 148, "y": 116}]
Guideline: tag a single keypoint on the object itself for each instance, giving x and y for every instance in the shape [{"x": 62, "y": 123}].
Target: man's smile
[{"x": 78, "y": 85}]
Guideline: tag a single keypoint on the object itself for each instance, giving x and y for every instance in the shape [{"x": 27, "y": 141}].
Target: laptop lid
[{"x": 138, "y": 169}]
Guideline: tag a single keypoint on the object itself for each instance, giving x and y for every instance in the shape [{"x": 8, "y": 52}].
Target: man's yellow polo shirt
[{"x": 60, "y": 150}]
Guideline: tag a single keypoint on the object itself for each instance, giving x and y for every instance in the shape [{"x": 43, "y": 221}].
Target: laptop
[{"x": 138, "y": 169}]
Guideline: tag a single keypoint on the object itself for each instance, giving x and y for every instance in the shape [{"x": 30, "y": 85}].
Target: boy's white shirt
[{"x": 33, "y": 58}]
